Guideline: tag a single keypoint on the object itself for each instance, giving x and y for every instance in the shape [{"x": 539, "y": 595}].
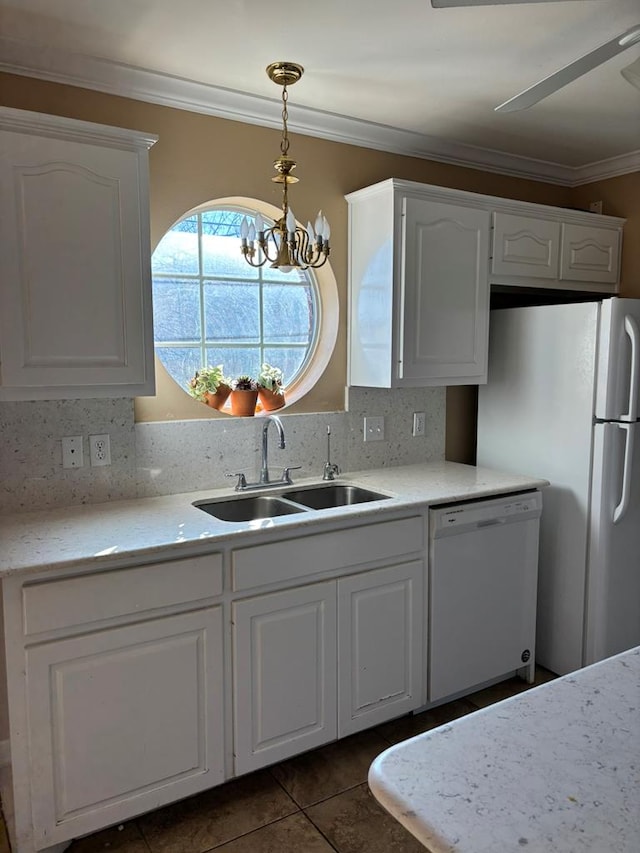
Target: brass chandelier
[{"x": 286, "y": 245}]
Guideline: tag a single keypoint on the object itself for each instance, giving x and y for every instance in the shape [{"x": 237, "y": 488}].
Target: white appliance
[
  {"x": 483, "y": 564},
  {"x": 562, "y": 403}
]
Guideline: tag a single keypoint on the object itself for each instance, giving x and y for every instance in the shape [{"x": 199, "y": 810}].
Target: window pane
[
  {"x": 221, "y": 256},
  {"x": 181, "y": 362},
  {"x": 177, "y": 252},
  {"x": 232, "y": 312},
  {"x": 288, "y": 314},
  {"x": 176, "y": 310},
  {"x": 236, "y": 361},
  {"x": 288, "y": 359}
]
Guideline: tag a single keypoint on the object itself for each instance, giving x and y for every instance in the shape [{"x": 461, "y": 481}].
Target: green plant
[
  {"x": 243, "y": 383},
  {"x": 270, "y": 378},
  {"x": 207, "y": 381}
]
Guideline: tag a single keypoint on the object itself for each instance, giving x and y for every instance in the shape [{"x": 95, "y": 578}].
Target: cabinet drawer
[
  {"x": 325, "y": 552},
  {"x": 79, "y": 600}
]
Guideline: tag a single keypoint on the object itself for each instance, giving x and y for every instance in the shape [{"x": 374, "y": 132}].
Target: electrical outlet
[
  {"x": 99, "y": 450},
  {"x": 419, "y": 423},
  {"x": 72, "y": 452},
  {"x": 373, "y": 429}
]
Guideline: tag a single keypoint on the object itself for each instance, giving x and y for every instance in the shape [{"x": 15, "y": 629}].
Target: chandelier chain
[{"x": 284, "y": 144}]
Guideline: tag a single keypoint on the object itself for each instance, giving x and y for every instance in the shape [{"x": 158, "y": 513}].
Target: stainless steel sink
[
  {"x": 337, "y": 494},
  {"x": 251, "y": 508}
]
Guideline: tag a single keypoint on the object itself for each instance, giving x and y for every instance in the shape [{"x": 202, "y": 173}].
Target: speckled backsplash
[{"x": 182, "y": 456}]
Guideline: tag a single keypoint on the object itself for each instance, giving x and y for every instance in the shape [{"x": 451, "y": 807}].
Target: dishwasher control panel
[{"x": 483, "y": 513}]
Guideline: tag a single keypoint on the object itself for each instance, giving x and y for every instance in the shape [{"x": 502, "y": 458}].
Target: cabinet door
[
  {"x": 525, "y": 247},
  {"x": 380, "y": 645},
  {"x": 284, "y": 674},
  {"x": 75, "y": 306},
  {"x": 590, "y": 254},
  {"x": 123, "y": 721},
  {"x": 445, "y": 294}
]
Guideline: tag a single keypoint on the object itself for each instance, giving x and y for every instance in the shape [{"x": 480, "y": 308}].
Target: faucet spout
[{"x": 264, "y": 469}]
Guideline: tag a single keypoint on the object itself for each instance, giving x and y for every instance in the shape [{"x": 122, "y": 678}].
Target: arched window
[{"x": 211, "y": 307}]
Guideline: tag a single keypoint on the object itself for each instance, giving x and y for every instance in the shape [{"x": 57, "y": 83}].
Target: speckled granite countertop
[
  {"x": 552, "y": 770},
  {"x": 166, "y": 526}
]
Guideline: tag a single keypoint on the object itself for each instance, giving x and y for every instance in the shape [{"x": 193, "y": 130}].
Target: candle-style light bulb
[
  {"x": 326, "y": 229},
  {"x": 259, "y": 223},
  {"x": 291, "y": 222},
  {"x": 318, "y": 226},
  {"x": 252, "y": 233},
  {"x": 244, "y": 228}
]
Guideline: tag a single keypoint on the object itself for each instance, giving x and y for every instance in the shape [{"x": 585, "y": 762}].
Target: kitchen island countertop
[
  {"x": 554, "y": 769},
  {"x": 170, "y": 526}
]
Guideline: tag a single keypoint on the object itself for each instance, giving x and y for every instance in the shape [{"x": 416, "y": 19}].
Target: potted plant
[
  {"x": 244, "y": 395},
  {"x": 210, "y": 386},
  {"x": 270, "y": 390}
]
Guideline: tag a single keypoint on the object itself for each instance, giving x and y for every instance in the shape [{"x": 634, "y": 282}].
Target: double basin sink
[{"x": 256, "y": 507}]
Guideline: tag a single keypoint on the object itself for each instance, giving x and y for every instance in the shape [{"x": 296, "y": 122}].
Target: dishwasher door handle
[{"x": 491, "y": 522}]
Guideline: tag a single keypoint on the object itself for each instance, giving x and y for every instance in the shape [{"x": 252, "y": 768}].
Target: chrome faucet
[
  {"x": 265, "y": 482},
  {"x": 264, "y": 468}
]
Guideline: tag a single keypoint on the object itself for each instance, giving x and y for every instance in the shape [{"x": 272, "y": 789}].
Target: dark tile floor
[{"x": 318, "y": 802}]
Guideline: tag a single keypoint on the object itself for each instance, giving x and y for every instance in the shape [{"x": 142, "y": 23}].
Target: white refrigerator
[{"x": 562, "y": 403}]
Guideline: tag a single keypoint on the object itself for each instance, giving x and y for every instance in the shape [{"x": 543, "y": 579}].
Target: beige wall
[{"x": 199, "y": 158}]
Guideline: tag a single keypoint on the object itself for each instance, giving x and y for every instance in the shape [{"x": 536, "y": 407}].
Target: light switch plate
[{"x": 374, "y": 429}]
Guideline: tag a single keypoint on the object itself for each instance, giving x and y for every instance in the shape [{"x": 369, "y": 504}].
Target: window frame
[{"x": 326, "y": 306}]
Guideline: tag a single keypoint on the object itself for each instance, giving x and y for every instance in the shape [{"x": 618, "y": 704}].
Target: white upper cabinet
[
  {"x": 590, "y": 254},
  {"x": 419, "y": 288},
  {"x": 421, "y": 263},
  {"x": 75, "y": 306},
  {"x": 525, "y": 247}
]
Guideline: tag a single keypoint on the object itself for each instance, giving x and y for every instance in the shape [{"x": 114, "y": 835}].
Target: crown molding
[{"x": 47, "y": 63}]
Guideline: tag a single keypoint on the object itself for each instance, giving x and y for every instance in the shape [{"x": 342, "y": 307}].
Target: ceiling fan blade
[
  {"x": 450, "y": 4},
  {"x": 570, "y": 72},
  {"x": 632, "y": 73}
]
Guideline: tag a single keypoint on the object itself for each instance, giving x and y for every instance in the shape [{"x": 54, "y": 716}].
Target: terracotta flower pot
[
  {"x": 217, "y": 400},
  {"x": 270, "y": 400},
  {"x": 243, "y": 403}
]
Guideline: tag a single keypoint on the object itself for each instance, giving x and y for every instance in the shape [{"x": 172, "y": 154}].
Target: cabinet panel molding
[
  {"x": 380, "y": 668},
  {"x": 590, "y": 254},
  {"x": 525, "y": 247},
  {"x": 75, "y": 307},
  {"x": 284, "y": 674},
  {"x": 124, "y": 718}
]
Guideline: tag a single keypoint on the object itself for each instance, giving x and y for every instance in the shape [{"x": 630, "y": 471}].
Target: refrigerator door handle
[
  {"x": 623, "y": 506},
  {"x": 631, "y": 328}
]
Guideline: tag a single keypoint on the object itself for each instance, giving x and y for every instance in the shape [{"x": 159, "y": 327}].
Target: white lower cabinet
[
  {"x": 380, "y": 643},
  {"x": 122, "y": 721},
  {"x": 284, "y": 673},
  {"x": 324, "y": 661}
]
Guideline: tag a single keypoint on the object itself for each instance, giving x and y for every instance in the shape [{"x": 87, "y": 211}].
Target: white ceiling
[{"x": 415, "y": 79}]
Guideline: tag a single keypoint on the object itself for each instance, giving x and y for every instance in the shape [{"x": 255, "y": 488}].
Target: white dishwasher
[{"x": 483, "y": 571}]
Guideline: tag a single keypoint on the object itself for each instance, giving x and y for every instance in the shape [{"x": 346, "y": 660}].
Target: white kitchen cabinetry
[
  {"x": 419, "y": 290},
  {"x": 525, "y": 247},
  {"x": 325, "y": 660},
  {"x": 285, "y": 674},
  {"x": 75, "y": 305},
  {"x": 590, "y": 254},
  {"x": 116, "y": 694},
  {"x": 422, "y": 260},
  {"x": 380, "y": 645},
  {"x": 124, "y": 720}
]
